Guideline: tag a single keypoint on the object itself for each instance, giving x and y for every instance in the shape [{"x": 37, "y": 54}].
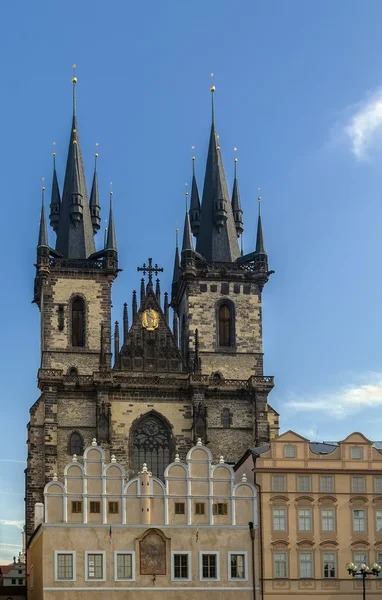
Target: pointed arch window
[
  {"x": 75, "y": 444},
  {"x": 152, "y": 444},
  {"x": 78, "y": 322},
  {"x": 226, "y": 325}
]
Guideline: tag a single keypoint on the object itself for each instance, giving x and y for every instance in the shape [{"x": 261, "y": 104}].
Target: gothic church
[{"x": 148, "y": 392}]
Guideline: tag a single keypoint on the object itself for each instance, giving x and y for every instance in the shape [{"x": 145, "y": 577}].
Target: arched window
[
  {"x": 78, "y": 322},
  {"x": 73, "y": 372},
  {"x": 152, "y": 444},
  {"x": 225, "y": 323},
  {"x": 75, "y": 444}
]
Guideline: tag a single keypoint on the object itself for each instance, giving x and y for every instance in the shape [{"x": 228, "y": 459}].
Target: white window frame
[
  {"x": 333, "y": 511},
  {"x": 103, "y": 552},
  {"x": 311, "y": 562},
  {"x": 284, "y": 517},
  {"x": 358, "y": 478},
  {"x": 286, "y": 563},
  {"x": 378, "y": 518},
  {"x": 356, "y": 450},
  {"x": 116, "y": 578},
  {"x": 275, "y": 488},
  {"x": 364, "y": 520},
  {"x": 326, "y": 477},
  {"x": 293, "y": 452},
  {"x": 301, "y": 478},
  {"x": 56, "y": 553},
  {"x": 377, "y": 483},
  {"x": 245, "y": 578},
  {"x": 189, "y": 565},
  {"x": 201, "y": 554},
  {"x": 309, "y": 516},
  {"x": 334, "y": 562},
  {"x": 360, "y": 561}
]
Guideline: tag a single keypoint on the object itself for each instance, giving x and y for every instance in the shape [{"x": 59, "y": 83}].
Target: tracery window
[
  {"x": 78, "y": 322},
  {"x": 152, "y": 444},
  {"x": 75, "y": 444},
  {"x": 225, "y": 318}
]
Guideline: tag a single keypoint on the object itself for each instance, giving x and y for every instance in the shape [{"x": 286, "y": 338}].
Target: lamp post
[{"x": 364, "y": 571}]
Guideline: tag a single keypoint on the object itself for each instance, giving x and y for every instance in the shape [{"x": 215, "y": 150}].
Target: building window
[
  {"x": 220, "y": 508},
  {"x": 209, "y": 565},
  {"x": 179, "y": 508},
  {"x": 304, "y": 483},
  {"x": 13, "y": 581},
  {"x": 113, "y": 508},
  {"x": 378, "y": 519},
  {"x": 305, "y": 519},
  {"x": 226, "y": 418},
  {"x": 359, "y": 559},
  {"x": 20, "y": 581},
  {"x": 200, "y": 508},
  {"x": 152, "y": 444},
  {"x": 356, "y": 453},
  {"x": 359, "y": 520},
  {"x": 327, "y": 516},
  {"x": 327, "y": 484},
  {"x": 124, "y": 565},
  {"x": 329, "y": 560},
  {"x": 379, "y": 561},
  {"x": 237, "y": 565},
  {"x": 76, "y": 506},
  {"x": 290, "y": 451},
  {"x": 378, "y": 485},
  {"x": 225, "y": 324},
  {"x": 279, "y": 519},
  {"x": 306, "y": 565},
  {"x": 278, "y": 483},
  {"x": 75, "y": 444},
  {"x": 65, "y": 566},
  {"x": 281, "y": 565},
  {"x": 358, "y": 485},
  {"x": 95, "y": 507},
  {"x": 95, "y": 566},
  {"x": 180, "y": 566},
  {"x": 78, "y": 322}
]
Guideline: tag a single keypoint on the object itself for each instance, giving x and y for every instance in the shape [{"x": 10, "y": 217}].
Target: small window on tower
[
  {"x": 75, "y": 445},
  {"x": 225, "y": 325},
  {"x": 226, "y": 418},
  {"x": 78, "y": 322}
]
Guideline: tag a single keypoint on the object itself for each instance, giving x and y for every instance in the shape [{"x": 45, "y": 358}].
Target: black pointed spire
[
  {"x": 125, "y": 323},
  {"x": 260, "y": 245},
  {"x": 217, "y": 239},
  {"x": 187, "y": 235},
  {"x": 75, "y": 231},
  {"x": 43, "y": 232},
  {"x": 195, "y": 203},
  {"x": 142, "y": 291},
  {"x": 134, "y": 305},
  {"x": 55, "y": 201},
  {"x": 236, "y": 205},
  {"x": 175, "y": 276},
  {"x": 116, "y": 345},
  {"x": 94, "y": 204},
  {"x": 111, "y": 241},
  {"x": 165, "y": 309},
  {"x": 157, "y": 290}
]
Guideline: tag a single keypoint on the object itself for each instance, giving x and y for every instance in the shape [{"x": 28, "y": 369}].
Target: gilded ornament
[{"x": 150, "y": 319}]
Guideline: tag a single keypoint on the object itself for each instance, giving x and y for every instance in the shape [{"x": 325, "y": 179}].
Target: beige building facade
[
  {"x": 100, "y": 535},
  {"x": 320, "y": 508}
]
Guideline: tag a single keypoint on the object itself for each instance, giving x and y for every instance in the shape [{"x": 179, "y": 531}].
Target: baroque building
[{"x": 162, "y": 387}]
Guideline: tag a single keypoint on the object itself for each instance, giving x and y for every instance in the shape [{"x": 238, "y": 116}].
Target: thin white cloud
[
  {"x": 18, "y": 524},
  {"x": 348, "y": 400},
  {"x": 365, "y": 125}
]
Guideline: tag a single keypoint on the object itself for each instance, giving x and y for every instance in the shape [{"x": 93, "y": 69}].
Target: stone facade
[{"x": 141, "y": 530}]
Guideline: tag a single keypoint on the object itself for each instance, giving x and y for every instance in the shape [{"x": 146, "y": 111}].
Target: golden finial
[
  {"x": 259, "y": 199},
  {"x": 235, "y": 161},
  {"x": 111, "y": 188},
  {"x": 212, "y": 88},
  {"x": 176, "y": 236},
  {"x": 74, "y": 78},
  {"x": 74, "y": 141},
  {"x": 186, "y": 195},
  {"x": 193, "y": 148},
  {"x": 53, "y": 153},
  {"x": 96, "y": 154},
  {"x": 43, "y": 186}
]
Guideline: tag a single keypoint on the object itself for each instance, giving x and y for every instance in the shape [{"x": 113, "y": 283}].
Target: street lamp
[{"x": 364, "y": 571}]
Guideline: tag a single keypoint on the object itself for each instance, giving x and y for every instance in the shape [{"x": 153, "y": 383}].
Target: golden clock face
[{"x": 150, "y": 319}]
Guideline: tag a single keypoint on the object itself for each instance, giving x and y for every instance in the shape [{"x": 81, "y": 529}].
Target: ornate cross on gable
[{"x": 149, "y": 270}]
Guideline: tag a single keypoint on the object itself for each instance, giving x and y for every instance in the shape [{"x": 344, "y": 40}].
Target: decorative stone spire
[
  {"x": 260, "y": 245},
  {"x": 134, "y": 305},
  {"x": 55, "y": 201},
  {"x": 157, "y": 290},
  {"x": 176, "y": 273},
  {"x": 94, "y": 204},
  {"x": 217, "y": 238},
  {"x": 75, "y": 231},
  {"x": 116, "y": 345},
  {"x": 188, "y": 244},
  {"x": 43, "y": 232},
  {"x": 143, "y": 293},
  {"x": 197, "y": 360},
  {"x": 236, "y": 205},
  {"x": 125, "y": 323},
  {"x": 111, "y": 241},
  {"x": 195, "y": 203},
  {"x": 165, "y": 310}
]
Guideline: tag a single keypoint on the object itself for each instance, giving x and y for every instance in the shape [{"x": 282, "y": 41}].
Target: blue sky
[{"x": 298, "y": 92}]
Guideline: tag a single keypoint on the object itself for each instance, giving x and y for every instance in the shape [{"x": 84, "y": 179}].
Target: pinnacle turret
[
  {"x": 55, "y": 202},
  {"x": 236, "y": 205},
  {"x": 94, "y": 204},
  {"x": 260, "y": 245},
  {"x": 195, "y": 203},
  {"x": 43, "y": 232},
  {"x": 111, "y": 240}
]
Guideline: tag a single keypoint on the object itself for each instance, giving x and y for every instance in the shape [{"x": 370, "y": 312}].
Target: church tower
[
  {"x": 166, "y": 382},
  {"x": 73, "y": 293}
]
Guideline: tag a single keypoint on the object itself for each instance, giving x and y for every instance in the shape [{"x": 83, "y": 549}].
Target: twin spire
[{"x": 74, "y": 219}]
